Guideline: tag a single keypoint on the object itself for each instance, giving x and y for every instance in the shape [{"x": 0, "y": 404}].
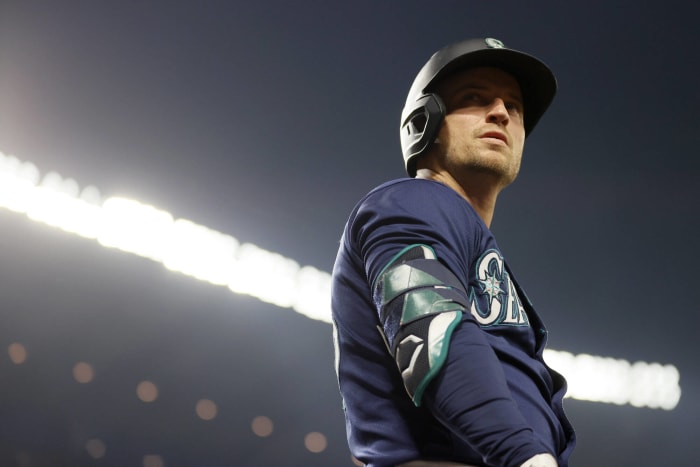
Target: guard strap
[{"x": 420, "y": 303}]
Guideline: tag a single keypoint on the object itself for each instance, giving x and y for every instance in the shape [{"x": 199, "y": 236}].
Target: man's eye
[
  {"x": 470, "y": 99},
  {"x": 514, "y": 108}
]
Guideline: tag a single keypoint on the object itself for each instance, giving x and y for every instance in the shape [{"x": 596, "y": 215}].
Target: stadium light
[{"x": 205, "y": 254}]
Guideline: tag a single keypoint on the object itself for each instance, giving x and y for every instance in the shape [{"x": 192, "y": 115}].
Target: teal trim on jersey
[
  {"x": 438, "y": 344},
  {"x": 419, "y": 303},
  {"x": 428, "y": 252}
]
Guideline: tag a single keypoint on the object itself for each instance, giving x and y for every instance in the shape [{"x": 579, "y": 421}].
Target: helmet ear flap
[{"x": 419, "y": 128}]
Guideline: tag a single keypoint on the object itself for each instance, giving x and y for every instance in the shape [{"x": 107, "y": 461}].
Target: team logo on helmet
[{"x": 494, "y": 43}]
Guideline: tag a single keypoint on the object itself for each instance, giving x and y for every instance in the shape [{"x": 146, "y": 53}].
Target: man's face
[{"x": 483, "y": 130}]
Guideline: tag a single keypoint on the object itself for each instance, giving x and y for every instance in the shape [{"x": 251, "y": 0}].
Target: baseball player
[{"x": 438, "y": 349}]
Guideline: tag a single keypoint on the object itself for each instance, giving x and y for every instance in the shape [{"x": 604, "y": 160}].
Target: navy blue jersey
[{"x": 494, "y": 401}]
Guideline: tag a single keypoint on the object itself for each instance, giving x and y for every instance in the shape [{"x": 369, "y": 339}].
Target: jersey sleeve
[{"x": 466, "y": 390}]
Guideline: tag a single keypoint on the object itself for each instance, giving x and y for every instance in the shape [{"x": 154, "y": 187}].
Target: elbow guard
[{"x": 420, "y": 303}]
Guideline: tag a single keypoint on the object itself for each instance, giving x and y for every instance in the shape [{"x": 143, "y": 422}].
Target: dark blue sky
[{"x": 268, "y": 121}]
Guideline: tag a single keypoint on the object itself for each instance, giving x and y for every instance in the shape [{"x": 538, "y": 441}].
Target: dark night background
[{"x": 268, "y": 121}]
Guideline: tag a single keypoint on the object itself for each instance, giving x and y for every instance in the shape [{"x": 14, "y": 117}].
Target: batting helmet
[{"x": 424, "y": 111}]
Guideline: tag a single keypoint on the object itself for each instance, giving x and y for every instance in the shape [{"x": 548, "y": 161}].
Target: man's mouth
[{"x": 495, "y": 135}]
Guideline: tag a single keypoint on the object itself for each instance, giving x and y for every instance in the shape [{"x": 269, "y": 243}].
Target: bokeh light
[
  {"x": 147, "y": 391},
  {"x": 262, "y": 426},
  {"x": 206, "y": 409},
  {"x": 96, "y": 448},
  {"x": 153, "y": 461},
  {"x": 315, "y": 442},
  {"x": 17, "y": 353},
  {"x": 83, "y": 372}
]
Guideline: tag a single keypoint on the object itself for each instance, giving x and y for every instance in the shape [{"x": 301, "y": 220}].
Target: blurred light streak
[
  {"x": 195, "y": 250},
  {"x": 617, "y": 381},
  {"x": 179, "y": 244}
]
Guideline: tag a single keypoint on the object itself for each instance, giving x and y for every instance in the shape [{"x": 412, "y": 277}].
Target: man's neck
[{"x": 476, "y": 190}]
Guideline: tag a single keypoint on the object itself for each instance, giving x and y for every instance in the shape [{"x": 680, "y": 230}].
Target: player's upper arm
[{"x": 420, "y": 302}]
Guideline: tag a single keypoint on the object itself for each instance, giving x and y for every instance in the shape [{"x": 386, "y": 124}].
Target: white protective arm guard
[{"x": 541, "y": 460}]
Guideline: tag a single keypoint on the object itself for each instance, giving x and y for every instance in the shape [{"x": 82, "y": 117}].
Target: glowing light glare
[
  {"x": 200, "y": 252},
  {"x": 55, "y": 201},
  {"x": 64, "y": 210},
  {"x": 617, "y": 381},
  {"x": 205, "y": 254},
  {"x": 268, "y": 276},
  {"x": 135, "y": 228},
  {"x": 18, "y": 180},
  {"x": 179, "y": 244},
  {"x": 313, "y": 297}
]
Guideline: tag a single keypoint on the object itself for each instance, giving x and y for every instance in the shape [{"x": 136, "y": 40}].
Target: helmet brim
[{"x": 537, "y": 82}]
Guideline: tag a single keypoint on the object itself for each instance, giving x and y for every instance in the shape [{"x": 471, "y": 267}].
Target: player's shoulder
[
  {"x": 420, "y": 198},
  {"x": 412, "y": 188}
]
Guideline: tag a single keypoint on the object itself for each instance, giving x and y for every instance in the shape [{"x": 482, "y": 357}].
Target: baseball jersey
[{"x": 494, "y": 401}]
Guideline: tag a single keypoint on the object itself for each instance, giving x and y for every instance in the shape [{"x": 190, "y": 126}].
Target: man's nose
[{"x": 497, "y": 112}]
